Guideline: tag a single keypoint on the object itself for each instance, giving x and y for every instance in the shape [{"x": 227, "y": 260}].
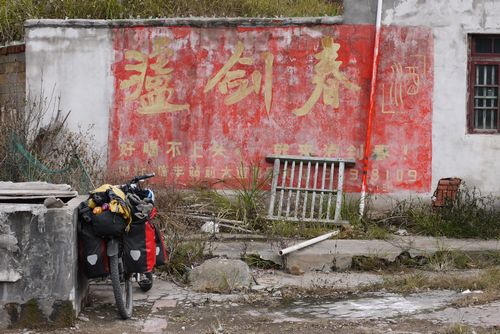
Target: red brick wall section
[
  {"x": 12, "y": 76},
  {"x": 446, "y": 191}
]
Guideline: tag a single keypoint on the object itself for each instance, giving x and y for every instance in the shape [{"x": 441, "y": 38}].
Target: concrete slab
[{"x": 331, "y": 255}]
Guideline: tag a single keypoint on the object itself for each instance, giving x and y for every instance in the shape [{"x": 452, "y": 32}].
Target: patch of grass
[
  {"x": 487, "y": 281},
  {"x": 255, "y": 261},
  {"x": 470, "y": 215},
  {"x": 465, "y": 329},
  {"x": 369, "y": 263},
  {"x": 458, "y": 329},
  {"x": 14, "y": 12},
  {"x": 183, "y": 257},
  {"x": 373, "y": 231},
  {"x": 245, "y": 202}
]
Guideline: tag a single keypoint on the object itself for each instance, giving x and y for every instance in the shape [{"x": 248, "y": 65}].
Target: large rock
[{"x": 221, "y": 275}]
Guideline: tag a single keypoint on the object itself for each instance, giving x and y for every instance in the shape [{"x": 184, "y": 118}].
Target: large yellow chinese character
[
  {"x": 127, "y": 149},
  {"x": 306, "y": 150},
  {"x": 210, "y": 172},
  {"x": 174, "y": 148},
  {"x": 281, "y": 149},
  {"x": 151, "y": 148},
  {"x": 242, "y": 172},
  {"x": 197, "y": 150},
  {"x": 228, "y": 79},
  {"x": 178, "y": 170},
  {"x": 226, "y": 172},
  {"x": 194, "y": 171},
  {"x": 327, "y": 78},
  {"x": 331, "y": 150},
  {"x": 124, "y": 170},
  {"x": 355, "y": 152},
  {"x": 162, "y": 170},
  {"x": 217, "y": 150},
  {"x": 151, "y": 84},
  {"x": 380, "y": 152},
  {"x": 396, "y": 87}
]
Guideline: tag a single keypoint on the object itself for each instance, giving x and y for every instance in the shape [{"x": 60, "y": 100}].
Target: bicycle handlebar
[{"x": 142, "y": 177}]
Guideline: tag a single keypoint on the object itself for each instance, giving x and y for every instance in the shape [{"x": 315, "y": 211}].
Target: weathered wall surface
[
  {"x": 194, "y": 104},
  {"x": 12, "y": 77},
  {"x": 472, "y": 157},
  {"x": 73, "y": 67},
  {"x": 38, "y": 276},
  {"x": 193, "y": 101}
]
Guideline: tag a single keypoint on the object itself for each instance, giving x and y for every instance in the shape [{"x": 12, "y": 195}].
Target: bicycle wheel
[
  {"x": 122, "y": 287},
  {"x": 145, "y": 281}
]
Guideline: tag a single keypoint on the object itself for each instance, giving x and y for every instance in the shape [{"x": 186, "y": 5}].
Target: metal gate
[{"x": 299, "y": 197}]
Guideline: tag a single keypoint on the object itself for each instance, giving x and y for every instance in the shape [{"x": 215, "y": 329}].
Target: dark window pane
[
  {"x": 488, "y": 120},
  {"x": 497, "y": 45},
  {"x": 484, "y": 45},
  {"x": 479, "y": 119}
]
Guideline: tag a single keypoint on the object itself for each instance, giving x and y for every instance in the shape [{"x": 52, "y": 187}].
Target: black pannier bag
[
  {"x": 139, "y": 247},
  {"x": 108, "y": 223},
  {"x": 92, "y": 252}
]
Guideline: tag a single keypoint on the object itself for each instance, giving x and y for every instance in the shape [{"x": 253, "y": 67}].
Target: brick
[
  {"x": 12, "y": 49},
  {"x": 4, "y": 79},
  {"x": 15, "y": 67},
  {"x": 12, "y": 58}
]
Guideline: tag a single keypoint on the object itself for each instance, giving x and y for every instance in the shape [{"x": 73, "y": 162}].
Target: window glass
[
  {"x": 484, "y": 45},
  {"x": 496, "y": 47}
]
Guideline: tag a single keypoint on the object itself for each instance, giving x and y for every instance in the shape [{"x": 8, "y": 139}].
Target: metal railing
[{"x": 299, "y": 197}]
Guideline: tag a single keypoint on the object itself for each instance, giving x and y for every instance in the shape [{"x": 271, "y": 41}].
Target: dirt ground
[{"x": 269, "y": 309}]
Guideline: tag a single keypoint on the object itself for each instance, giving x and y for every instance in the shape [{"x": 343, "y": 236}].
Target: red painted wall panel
[{"x": 193, "y": 104}]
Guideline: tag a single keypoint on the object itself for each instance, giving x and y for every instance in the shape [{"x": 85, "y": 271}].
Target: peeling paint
[{"x": 200, "y": 124}]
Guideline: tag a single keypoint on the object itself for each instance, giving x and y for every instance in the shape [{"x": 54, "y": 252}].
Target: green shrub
[
  {"x": 14, "y": 12},
  {"x": 470, "y": 215}
]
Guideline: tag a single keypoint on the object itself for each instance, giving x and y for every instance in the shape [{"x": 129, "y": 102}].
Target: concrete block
[{"x": 40, "y": 246}]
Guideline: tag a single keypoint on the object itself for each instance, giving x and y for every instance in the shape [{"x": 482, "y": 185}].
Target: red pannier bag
[
  {"x": 92, "y": 252},
  {"x": 139, "y": 247}
]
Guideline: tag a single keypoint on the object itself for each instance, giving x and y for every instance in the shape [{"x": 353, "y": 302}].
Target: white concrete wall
[
  {"x": 75, "y": 65},
  {"x": 472, "y": 157}
]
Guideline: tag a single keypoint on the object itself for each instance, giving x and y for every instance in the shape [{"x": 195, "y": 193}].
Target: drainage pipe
[
  {"x": 371, "y": 112},
  {"x": 307, "y": 243}
]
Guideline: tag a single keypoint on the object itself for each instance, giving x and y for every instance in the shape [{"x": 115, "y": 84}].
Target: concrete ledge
[
  {"x": 198, "y": 22},
  {"x": 333, "y": 255}
]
